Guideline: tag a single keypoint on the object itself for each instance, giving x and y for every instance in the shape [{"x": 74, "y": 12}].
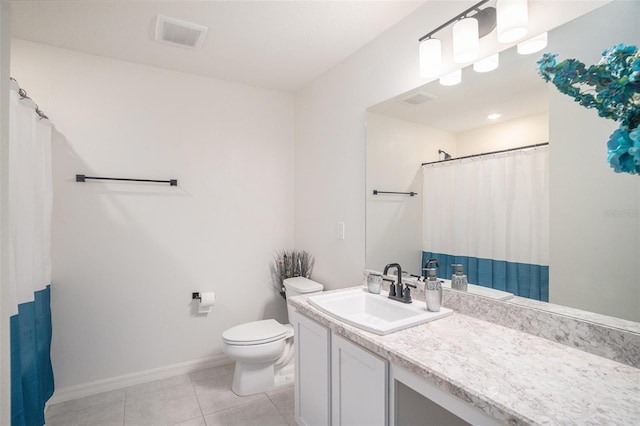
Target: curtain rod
[
  {"x": 23, "y": 95},
  {"x": 488, "y": 153}
]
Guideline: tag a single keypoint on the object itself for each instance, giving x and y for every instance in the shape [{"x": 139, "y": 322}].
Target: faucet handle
[
  {"x": 392, "y": 285},
  {"x": 406, "y": 296}
]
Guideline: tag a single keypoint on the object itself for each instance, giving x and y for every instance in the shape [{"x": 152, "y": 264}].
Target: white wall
[
  {"x": 395, "y": 150},
  {"x": 330, "y": 133},
  {"x": 523, "y": 131},
  {"x": 127, "y": 256},
  {"x": 595, "y": 219},
  {"x": 5, "y": 309}
]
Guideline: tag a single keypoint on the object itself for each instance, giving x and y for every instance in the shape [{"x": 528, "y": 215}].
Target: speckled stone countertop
[{"x": 515, "y": 377}]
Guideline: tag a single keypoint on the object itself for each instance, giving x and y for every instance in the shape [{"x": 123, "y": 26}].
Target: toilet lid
[
  {"x": 255, "y": 333},
  {"x": 302, "y": 285}
]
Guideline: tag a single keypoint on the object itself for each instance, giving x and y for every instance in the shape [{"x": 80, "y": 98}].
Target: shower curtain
[
  {"x": 491, "y": 214},
  {"x": 30, "y": 195}
]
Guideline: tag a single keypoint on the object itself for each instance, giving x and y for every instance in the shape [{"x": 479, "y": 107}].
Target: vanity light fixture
[
  {"x": 533, "y": 45},
  {"x": 452, "y": 78},
  {"x": 466, "y": 41},
  {"x": 512, "y": 20},
  {"x": 468, "y": 27},
  {"x": 430, "y": 57},
  {"x": 487, "y": 64}
]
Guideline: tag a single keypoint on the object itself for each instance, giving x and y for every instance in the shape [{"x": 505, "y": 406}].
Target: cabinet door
[
  {"x": 312, "y": 364},
  {"x": 358, "y": 385}
]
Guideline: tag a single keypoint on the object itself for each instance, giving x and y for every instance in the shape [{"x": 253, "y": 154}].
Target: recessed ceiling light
[{"x": 494, "y": 116}]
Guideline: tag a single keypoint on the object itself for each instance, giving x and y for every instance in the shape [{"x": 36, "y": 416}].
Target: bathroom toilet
[{"x": 263, "y": 350}]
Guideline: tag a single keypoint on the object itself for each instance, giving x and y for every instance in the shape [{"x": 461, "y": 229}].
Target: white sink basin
[{"x": 375, "y": 312}]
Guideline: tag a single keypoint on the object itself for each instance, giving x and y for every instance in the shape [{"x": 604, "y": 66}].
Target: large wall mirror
[{"x": 593, "y": 237}]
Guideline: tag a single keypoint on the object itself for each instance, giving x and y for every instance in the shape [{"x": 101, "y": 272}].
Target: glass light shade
[
  {"x": 487, "y": 64},
  {"x": 430, "y": 57},
  {"x": 465, "y": 40},
  {"x": 533, "y": 45},
  {"x": 512, "y": 20},
  {"x": 452, "y": 78}
]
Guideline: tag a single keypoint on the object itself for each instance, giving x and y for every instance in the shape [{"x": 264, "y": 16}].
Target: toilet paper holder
[{"x": 205, "y": 301}]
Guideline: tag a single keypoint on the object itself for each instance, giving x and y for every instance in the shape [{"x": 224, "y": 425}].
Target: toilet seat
[{"x": 256, "y": 333}]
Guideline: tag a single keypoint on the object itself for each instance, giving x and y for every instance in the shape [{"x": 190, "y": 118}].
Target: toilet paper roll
[{"x": 207, "y": 300}]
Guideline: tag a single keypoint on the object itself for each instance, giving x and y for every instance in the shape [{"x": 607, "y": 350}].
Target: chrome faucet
[{"x": 396, "y": 291}]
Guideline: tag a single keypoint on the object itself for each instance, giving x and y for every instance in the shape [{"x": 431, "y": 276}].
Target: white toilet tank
[{"x": 299, "y": 285}]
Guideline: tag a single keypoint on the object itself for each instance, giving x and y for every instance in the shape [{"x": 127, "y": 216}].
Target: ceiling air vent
[
  {"x": 417, "y": 98},
  {"x": 180, "y": 33}
]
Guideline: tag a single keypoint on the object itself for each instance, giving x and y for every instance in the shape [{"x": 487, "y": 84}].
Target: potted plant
[{"x": 289, "y": 264}]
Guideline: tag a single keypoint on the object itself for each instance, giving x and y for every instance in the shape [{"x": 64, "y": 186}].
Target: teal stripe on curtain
[
  {"x": 521, "y": 279},
  {"x": 31, "y": 372}
]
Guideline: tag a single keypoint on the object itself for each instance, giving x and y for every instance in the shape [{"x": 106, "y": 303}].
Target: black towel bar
[
  {"x": 82, "y": 178},
  {"x": 376, "y": 192}
]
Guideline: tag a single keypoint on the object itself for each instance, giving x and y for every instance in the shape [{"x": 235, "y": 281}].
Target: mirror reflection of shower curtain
[
  {"x": 491, "y": 213},
  {"x": 30, "y": 195}
]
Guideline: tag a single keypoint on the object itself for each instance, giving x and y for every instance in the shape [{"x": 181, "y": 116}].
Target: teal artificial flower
[
  {"x": 635, "y": 70},
  {"x": 547, "y": 63},
  {"x": 612, "y": 87},
  {"x": 624, "y": 151}
]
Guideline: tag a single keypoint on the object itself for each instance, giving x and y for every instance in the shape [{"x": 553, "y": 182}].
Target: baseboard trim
[{"x": 126, "y": 380}]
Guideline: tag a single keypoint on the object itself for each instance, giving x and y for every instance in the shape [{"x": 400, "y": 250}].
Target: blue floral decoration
[{"x": 612, "y": 87}]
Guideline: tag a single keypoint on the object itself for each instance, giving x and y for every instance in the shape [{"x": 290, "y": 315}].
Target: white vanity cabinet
[
  {"x": 337, "y": 381},
  {"x": 312, "y": 371},
  {"x": 358, "y": 385},
  {"x": 340, "y": 383}
]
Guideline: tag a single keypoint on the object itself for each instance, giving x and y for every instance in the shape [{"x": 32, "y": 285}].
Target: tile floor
[{"x": 203, "y": 398}]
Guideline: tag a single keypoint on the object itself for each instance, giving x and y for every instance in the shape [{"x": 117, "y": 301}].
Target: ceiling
[
  {"x": 514, "y": 90},
  {"x": 281, "y": 45}
]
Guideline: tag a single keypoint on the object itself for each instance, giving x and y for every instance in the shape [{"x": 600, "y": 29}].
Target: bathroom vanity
[{"x": 456, "y": 370}]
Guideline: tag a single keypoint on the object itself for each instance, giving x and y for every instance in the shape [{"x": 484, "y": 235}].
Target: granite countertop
[{"x": 512, "y": 376}]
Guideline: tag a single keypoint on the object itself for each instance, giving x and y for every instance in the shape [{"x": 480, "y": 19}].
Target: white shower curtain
[
  {"x": 491, "y": 213},
  {"x": 30, "y": 202}
]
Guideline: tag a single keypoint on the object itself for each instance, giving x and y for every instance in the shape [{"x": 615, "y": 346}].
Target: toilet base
[{"x": 252, "y": 378}]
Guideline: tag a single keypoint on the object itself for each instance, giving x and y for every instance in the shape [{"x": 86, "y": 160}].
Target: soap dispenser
[
  {"x": 433, "y": 291},
  {"x": 459, "y": 279}
]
